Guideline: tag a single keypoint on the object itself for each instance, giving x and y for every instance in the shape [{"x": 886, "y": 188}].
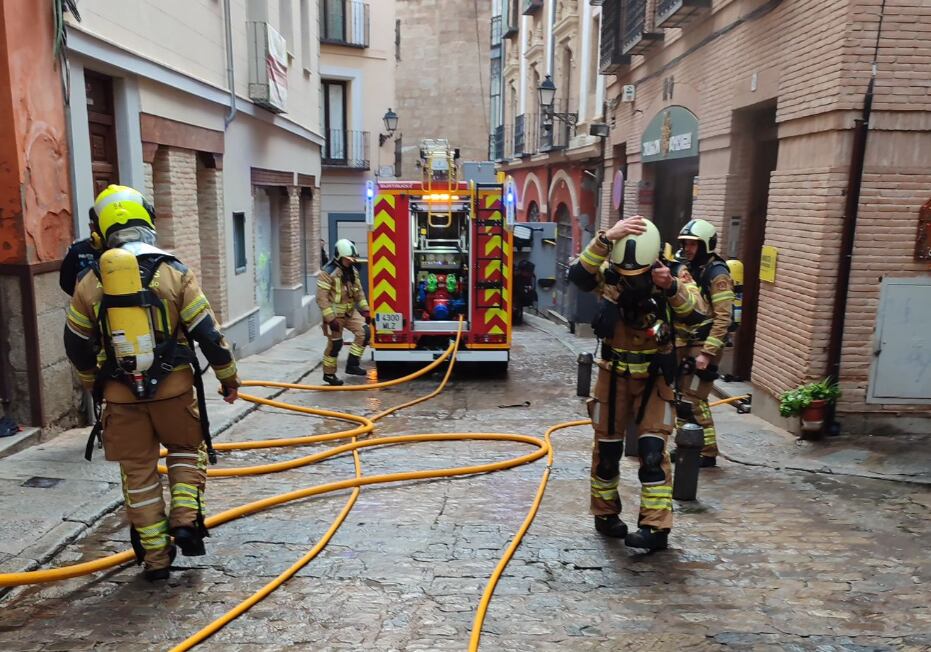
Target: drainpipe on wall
[
  {"x": 228, "y": 26},
  {"x": 849, "y": 234}
]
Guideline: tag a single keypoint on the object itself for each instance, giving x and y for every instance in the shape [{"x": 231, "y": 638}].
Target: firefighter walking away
[
  {"x": 142, "y": 309},
  {"x": 343, "y": 305}
]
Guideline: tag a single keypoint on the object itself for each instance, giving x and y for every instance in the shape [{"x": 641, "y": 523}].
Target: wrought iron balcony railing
[
  {"x": 636, "y": 38},
  {"x": 344, "y": 22},
  {"x": 678, "y": 13},
  {"x": 347, "y": 149},
  {"x": 612, "y": 60}
]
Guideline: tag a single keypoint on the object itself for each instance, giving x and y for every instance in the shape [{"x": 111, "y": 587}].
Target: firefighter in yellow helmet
[
  {"x": 705, "y": 349},
  {"x": 343, "y": 305},
  {"x": 141, "y": 310},
  {"x": 636, "y": 368}
]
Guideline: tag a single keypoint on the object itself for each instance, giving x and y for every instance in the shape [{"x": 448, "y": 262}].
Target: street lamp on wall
[
  {"x": 391, "y": 125},
  {"x": 547, "y": 91}
]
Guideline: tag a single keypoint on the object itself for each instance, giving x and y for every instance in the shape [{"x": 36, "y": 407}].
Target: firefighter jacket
[
  {"x": 692, "y": 314},
  {"x": 189, "y": 317},
  {"x": 640, "y": 336},
  {"x": 714, "y": 279},
  {"x": 339, "y": 292}
]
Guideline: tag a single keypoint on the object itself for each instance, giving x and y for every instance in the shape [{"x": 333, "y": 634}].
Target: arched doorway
[
  {"x": 533, "y": 212},
  {"x": 564, "y": 249}
]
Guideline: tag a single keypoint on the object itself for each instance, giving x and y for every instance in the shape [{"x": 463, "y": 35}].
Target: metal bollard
[
  {"x": 583, "y": 386},
  {"x": 690, "y": 439}
]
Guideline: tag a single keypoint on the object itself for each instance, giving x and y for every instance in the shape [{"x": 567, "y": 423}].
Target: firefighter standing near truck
[
  {"x": 636, "y": 370},
  {"x": 343, "y": 306},
  {"x": 698, "y": 239},
  {"x": 141, "y": 310}
]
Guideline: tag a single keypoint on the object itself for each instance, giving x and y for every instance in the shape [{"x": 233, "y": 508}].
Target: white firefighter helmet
[
  {"x": 346, "y": 249},
  {"x": 701, "y": 230},
  {"x": 635, "y": 254}
]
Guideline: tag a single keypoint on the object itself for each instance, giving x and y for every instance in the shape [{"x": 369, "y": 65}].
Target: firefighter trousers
[
  {"x": 132, "y": 433},
  {"x": 356, "y": 325},
  {"x": 696, "y": 391},
  {"x": 653, "y": 432}
]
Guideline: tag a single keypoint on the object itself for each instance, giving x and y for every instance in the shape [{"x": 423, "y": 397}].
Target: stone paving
[{"x": 765, "y": 560}]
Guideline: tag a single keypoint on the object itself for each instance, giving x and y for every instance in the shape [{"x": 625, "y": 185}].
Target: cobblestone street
[{"x": 765, "y": 560}]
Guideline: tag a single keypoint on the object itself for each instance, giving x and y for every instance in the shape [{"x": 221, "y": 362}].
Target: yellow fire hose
[{"x": 366, "y": 426}]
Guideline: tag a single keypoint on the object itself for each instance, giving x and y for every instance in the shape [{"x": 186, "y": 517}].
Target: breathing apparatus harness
[
  {"x": 168, "y": 353},
  {"x": 635, "y": 306}
]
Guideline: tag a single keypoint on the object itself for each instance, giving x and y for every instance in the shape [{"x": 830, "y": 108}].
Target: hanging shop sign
[{"x": 671, "y": 134}]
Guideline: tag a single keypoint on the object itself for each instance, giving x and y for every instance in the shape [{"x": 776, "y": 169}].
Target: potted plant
[{"x": 809, "y": 401}]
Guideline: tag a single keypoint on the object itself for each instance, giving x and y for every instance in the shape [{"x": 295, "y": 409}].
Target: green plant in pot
[{"x": 809, "y": 401}]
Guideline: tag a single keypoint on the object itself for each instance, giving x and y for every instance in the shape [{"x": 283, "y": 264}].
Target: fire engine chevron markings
[
  {"x": 493, "y": 243},
  {"x": 385, "y": 288},
  {"x": 383, "y": 241},
  {"x": 492, "y": 267},
  {"x": 386, "y": 265},
  {"x": 391, "y": 200},
  {"x": 384, "y": 218}
]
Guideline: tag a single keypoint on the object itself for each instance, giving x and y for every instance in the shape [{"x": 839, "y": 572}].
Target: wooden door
[{"x": 104, "y": 164}]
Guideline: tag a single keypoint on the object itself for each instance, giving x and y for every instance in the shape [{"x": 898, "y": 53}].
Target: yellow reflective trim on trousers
[
  {"x": 727, "y": 295},
  {"x": 78, "y": 318},
  {"x": 604, "y": 484},
  {"x": 184, "y": 488},
  {"x": 664, "y": 505},
  {"x": 658, "y": 492},
  {"x": 356, "y": 350},
  {"x": 329, "y": 312},
  {"x": 154, "y": 529},
  {"x": 605, "y": 495}
]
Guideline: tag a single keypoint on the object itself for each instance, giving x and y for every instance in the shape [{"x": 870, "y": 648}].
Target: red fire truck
[{"x": 440, "y": 249}]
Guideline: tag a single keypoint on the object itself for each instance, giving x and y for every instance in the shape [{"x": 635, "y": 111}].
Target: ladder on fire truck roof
[
  {"x": 490, "y": 226},
  {"x": 438, "y": 165}
]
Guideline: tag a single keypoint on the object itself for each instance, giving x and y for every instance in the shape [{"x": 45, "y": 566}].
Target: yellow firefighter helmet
[
  {"x": 635, "y": 254},
  {"x": 118, "y": 207},
  {"x": 701, "y": 230}
]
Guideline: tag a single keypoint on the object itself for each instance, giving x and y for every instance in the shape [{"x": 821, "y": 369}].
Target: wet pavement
[{"x": 766, "y": 560}]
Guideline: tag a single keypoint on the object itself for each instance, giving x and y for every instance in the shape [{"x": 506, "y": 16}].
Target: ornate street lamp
[{"x": 391, "y": 125}]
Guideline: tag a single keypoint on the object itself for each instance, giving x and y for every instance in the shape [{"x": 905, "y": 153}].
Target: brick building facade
[{"x": 744, "y": 114}]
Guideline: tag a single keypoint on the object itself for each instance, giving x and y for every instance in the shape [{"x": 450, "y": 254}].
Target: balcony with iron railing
[
  {"x": 346, "y": 149},
  {"x": 678, "y": 13},
  {"x": 555, "y": 133},
  {"x": 636, "y": 39},
  {"x": 612, "y": 57},
  {"x": 344, "y": 22}
]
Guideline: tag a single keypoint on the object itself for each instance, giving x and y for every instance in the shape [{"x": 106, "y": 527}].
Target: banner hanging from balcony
[{"x": 671, "y": 134}]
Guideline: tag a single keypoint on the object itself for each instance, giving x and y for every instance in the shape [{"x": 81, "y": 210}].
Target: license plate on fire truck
[{"x": 389, "y": 321}]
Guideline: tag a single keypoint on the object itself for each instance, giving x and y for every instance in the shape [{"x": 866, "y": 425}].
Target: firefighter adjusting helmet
[
  {"x": 119, "y": 207},
  {"x": 635, "y": 254},
  {"x": 346, "y": 249},
  {"x": 701, "y": 230}
]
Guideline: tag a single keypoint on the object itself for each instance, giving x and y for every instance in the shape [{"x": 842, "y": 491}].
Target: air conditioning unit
[
  {"x": 268, "y": 66},
  {"x": 628, "y": 93}
]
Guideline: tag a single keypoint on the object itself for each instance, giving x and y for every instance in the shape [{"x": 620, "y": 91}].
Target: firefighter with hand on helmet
[
  {"x": 339, "y": 295},
  {"x": 698, "y": 239},
  {"x": 140, "y": 310},
  {"x": 635, "y": 371}
]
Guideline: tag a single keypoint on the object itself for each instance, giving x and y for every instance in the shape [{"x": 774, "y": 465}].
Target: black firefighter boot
[
  {"x": 611, "y": 526},
  {"x": 646, "y": 538},
  {"x": 353, "y": 368},
  {"x": 190, "y": 539},
  {"x": 332, "y": 379}
]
